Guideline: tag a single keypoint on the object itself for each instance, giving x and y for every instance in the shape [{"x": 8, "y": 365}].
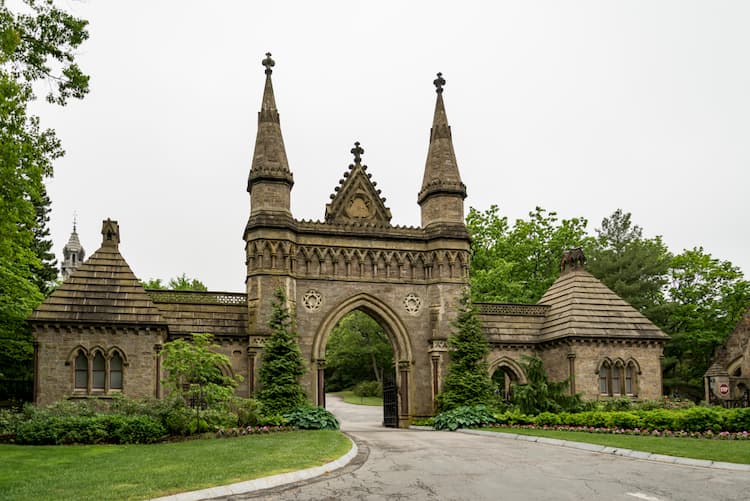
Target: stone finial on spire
[
  {"x": 268, "y": 63},
  {"x": 357, "y": 151},
  {"x": 439, "y": 82}
]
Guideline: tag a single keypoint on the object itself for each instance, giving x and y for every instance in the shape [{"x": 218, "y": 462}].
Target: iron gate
[{"x": 390, "y": 404}]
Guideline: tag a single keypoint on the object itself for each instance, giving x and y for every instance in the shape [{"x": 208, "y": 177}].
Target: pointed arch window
[
  {"x": 115, "y": 372},
  {"x": 631, "y": 378},
  {"x": 99, "y": 372},
  {"x": 81, "y": 372},
  {"x": 605, "y": 371}
]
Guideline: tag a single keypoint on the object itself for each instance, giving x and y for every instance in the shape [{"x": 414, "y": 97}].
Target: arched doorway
[
  {"x": 359, "y": 363},
  {"x": 505, "y": 373},
  {"x": 367, "y": 306}
]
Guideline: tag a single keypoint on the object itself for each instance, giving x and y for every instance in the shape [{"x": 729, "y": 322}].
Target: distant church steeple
[
  {"x": 270, "y": 181},
  {"x": 73, "y": 253},
  {"x": 443, "y": 193}
]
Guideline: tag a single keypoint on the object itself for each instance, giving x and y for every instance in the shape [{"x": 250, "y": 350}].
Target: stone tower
[{"x": 73, "y": 254}]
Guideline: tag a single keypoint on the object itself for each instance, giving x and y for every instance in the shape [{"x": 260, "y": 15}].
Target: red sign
[{"x": 724, "y": 389}]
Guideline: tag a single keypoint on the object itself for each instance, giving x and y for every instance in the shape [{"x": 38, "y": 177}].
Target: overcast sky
[{"x": 578, "y": 107}]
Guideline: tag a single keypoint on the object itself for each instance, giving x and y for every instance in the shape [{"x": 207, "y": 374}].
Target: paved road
[{"x": 428, "y": 465}]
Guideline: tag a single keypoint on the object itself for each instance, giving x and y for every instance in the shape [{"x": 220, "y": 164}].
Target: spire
[
  {"x": 73, "y": 253},
  {"x": 269, "y": 159},
  {"x": 441, "y": 178}
]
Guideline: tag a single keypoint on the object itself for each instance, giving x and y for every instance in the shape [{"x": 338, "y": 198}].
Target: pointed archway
[{"x": 394, "y": 329}]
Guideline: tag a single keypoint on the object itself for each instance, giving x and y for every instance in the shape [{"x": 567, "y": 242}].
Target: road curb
[
  {"x": 263, "y": 483},
  {"x": 703, "y": 463}
]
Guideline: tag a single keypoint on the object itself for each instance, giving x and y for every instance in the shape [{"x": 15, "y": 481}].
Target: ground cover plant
[
  {"x": 727, "y": 450},
  {"x": 147, "y": 471}
]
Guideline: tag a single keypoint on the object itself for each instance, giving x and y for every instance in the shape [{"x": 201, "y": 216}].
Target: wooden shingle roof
[
  {"x": 582, "y": 306},
  {"x": 102, "y": 290}
]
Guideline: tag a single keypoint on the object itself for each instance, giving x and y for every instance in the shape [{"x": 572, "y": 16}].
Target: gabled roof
[
  {"x": 355, "y": 199},
  {"x": 102, "y": 290},
  {"x": 582, "y": 306}
]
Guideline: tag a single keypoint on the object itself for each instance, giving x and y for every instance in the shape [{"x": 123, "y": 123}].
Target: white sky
[{"x": 580, "y": 107}]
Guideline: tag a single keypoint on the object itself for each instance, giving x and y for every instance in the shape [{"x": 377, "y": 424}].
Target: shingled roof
[
  {"x": 102, "y": 290},
  {"x": 582, "y": 306}
]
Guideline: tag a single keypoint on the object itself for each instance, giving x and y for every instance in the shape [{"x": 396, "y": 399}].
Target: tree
[
  {"x": 467, "y": 381},
  {"x": 281, "y": 363},
  {"x": 707, "y": 298},
  {"x": 45, "y": 277},
  {"x": 178, "y": 283},
  {"x": 193, "y": 372},
  {"x": 540, "y": 394},
  {"x": 634, "y": 267},
  {"x": 30, "y": 44},
  {"x": 357, "y": 350},
  {"x": 519, "y": 263}
]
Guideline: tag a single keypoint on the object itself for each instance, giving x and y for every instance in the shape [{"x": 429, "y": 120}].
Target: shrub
[
  {"x": 246, "y": 410},
  {"x": 738, "y": 419},
  {"x": 312, "y": 418},
  {"x": 9, "y": 421},
  {"x": 468, "y": 416},
  {"x": 513, "y": 416},
  {"x": 369, "y": 389},
  {"x": 136, "y": 429},
  {"x": 698, "y": 419},
  {"x": 617, "y": 404},
  {"x": 547, "y": 419},
  {"x": 55, "y": 430},
  {"x": 625, "y": 420}
]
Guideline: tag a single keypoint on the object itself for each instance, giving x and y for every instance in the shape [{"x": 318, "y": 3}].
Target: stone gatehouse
[{"x": 101, "y": 333}]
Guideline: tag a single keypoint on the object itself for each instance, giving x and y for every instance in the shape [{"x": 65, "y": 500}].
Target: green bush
[
  {"x": 513, "y": 416},
  {"x": 246, "y": 410},
  {"x": 547, "y": 419},
  {"x": 468, "y": 416},
  {"x": 272, "y": 420},
  {"x": 137, "y": 430},
  {"x": 9, "y": 421},
  {"x": 369, "y": 389},
  {"x": 55, "y": 430},
  {"x": 623, "y": 420},
  {"x": 699, "y": 419},
  {"x": 617, "y": 404},
  {"x": 312, "y": 418}
]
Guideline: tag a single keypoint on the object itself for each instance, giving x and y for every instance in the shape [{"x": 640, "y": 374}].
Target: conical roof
[
  {"x": 269, "y": 156},
  {"x": 102, "y": 290},
  {"x": 74, "y": 244},
  {"x": 441, "y": 168},
  {"x": 582, "y": 306}
]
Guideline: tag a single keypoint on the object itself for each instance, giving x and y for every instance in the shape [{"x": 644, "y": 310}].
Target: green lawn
[
  {"x": 731, "y": 451},
  {"x": 145, "y": 471},
  {"x": 350, "y": 398}
]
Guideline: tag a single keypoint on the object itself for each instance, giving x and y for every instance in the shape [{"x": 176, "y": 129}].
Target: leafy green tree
[
  {"x": 281, "y": 363},
  {"x": 45, "y": 277},
  {"x": 540, "y": 394},
  {"x": 193, "y": 372},
  {"x": 519, "y": 263},
  {"x": 634, "y": 267},
  {"x": 178, "y": 283},
  {"x": 707, "y": 297},
  {"x": 31, "y": 43},
  {"x": 358, "y": 350},
  {"x": 467, "y": 381}
]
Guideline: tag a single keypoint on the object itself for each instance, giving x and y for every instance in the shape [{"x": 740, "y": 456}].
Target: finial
[
  {"x": 357, "y": 151},
  {"x": 268, "y": 63},
  {"x": 439, "y": 82},
  {"x": 75, "y": 220}
]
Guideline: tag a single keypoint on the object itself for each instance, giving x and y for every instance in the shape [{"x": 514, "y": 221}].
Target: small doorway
[{"x": 504, "y": 378}]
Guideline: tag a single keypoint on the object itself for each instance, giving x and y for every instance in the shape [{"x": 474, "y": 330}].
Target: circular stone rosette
[
  {"x": 412, "y": 303},
  {"x": 312, "y": 300}
]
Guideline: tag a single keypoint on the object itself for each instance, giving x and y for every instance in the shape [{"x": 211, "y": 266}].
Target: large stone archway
[
  {"x": 394, "y": 327},
  {"x": 407, "y": 278}
]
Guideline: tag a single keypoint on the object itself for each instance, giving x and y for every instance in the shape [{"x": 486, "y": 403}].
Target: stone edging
[
  {"x": 265, "y": 482},
  {"x": 705, "y": 463}
]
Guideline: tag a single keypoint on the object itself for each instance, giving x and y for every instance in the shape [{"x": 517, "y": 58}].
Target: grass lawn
[
  {"x": 731, "y": 451},
  {"x": 350, "y": 398},
  {"x": 145, "y": 471}
]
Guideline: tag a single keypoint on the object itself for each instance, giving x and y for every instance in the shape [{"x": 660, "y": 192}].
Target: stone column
[
  {"x": 403, "y": 390},
  {"x": 572, "y": 372},
  {"x": 321, "y": 382},
  {"x": 157, "y": 385},
  {"x": 251, "y": 354},
  {"x": 437, "y": 348},
  {"x": 35, "y": 389}
]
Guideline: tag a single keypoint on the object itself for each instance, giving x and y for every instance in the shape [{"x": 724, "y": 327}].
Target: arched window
[
  {"x": 98, "y": 372},
  {"x": 604, "y": 378},
  {"x": 115, "y": 372},
  {"x": 616, "y": 379},
  {"x": 631, "y": 378},
  {"x": 81, "y": 372}
]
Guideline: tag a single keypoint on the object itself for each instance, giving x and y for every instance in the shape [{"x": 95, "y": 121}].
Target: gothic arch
[
  {"x": 510, "y": 364},
  {"x": 381, "y": 312}
]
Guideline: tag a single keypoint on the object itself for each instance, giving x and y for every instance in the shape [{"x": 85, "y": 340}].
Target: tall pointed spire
[
  {"x": 443, "y": 192},
  {"x": 73, "y": 253},
  {"x": 270, "y": 167}
]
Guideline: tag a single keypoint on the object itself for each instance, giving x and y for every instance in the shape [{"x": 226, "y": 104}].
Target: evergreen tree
[
  {"x": 540, "y": 394},
  {"x": 45, "y": 275},
  {"x": 467, "y": 381},
  {"x": 281, "y": 365}
]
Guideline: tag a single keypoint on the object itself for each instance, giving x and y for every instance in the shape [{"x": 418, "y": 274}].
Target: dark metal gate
[{"x": 390, "y": 404}]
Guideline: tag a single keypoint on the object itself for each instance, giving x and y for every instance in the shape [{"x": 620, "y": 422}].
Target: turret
[
  {"x": 73, "y": 254},
  {"x": 442, "y": 195},
  {"x": 270, "y": 181}
]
